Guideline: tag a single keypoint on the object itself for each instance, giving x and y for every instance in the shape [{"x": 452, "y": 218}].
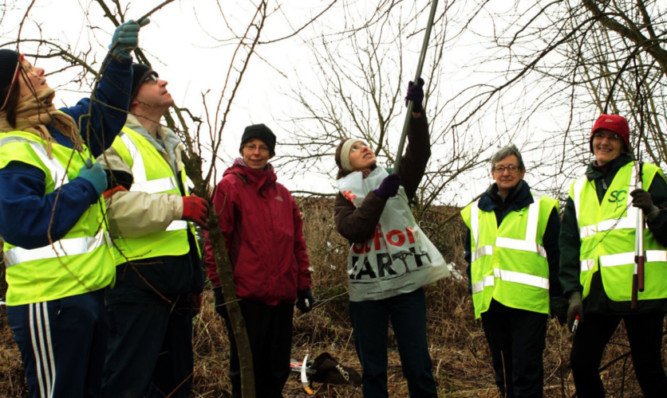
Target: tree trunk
[{"x": 225, "y": 274}]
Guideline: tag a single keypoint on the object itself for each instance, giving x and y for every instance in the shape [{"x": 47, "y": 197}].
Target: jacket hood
[
  {"x": 261, "y": 179},
  {"x": 593, "y": 172},
  {"x": 518, "y": 197}
]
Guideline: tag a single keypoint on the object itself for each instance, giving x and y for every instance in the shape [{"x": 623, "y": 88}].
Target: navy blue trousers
[
  {"x": 516, "y": 339},
  {"x": 149, "y": 351},
  {"x": 370, "y": 321},
  {"x": 62, "y": 344},
  {"x": 645, "y": 336}
]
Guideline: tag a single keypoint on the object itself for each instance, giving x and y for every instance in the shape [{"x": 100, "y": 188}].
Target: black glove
[
  {"x": 388, "y": 187},
  {"x": 642, "y": 199},
  {"x": 416, "y": 94},
  {"x": 575, "y": 308},
  {"x": 558, "y": 308},
  {"x": 304, "y": 300}
]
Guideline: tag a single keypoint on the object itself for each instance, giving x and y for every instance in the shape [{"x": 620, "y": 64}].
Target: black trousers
[
  {"x": 516, "y": 339},
  {"x": 407, "y": 315},
  {"x": 645, "y": 337},
  {"x": 270, "y": 333},
  {"x": 149, "y": 351}
]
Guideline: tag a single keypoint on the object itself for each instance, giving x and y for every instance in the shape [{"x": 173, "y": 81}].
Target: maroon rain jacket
[{"x": 264, "y": 236}]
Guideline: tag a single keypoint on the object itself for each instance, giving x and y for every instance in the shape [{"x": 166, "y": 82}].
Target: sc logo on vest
[{"x": 619, "y": 197}]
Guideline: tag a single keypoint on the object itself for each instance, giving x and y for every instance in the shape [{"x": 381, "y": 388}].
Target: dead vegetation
[{"x": 461, "y": 361}]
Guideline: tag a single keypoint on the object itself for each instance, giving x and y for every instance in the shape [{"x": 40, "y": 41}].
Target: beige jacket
[{"x": 134, "y": 214}]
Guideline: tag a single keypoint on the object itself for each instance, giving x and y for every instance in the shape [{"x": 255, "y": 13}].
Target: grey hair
[{"x": 505, "y": 152}]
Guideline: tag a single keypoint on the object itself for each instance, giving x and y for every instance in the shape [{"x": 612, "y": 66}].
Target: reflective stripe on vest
[
  {"x": 511, "y": 276},
  {"x": 618, "y": 259},
  {"x": 487, "y": 281},
  {"x": 614, "y": 260},
  {"x": 481, "y": 252},
  {"x": 60, "y": 248}
]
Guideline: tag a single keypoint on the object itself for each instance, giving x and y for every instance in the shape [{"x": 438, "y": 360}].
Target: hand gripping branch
[
  {"x": 638, "y": 273},
  {"x": 420, "y": 65}
]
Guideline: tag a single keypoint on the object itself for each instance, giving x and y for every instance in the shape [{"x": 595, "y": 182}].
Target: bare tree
[
  {"x": 361, "y": 75},
  {"x": 533, "y": 73}
]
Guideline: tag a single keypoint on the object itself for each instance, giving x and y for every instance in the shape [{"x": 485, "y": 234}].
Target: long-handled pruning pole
[
  {"x": 420, "y": 65},
  {"x": 638, "y": 273}
]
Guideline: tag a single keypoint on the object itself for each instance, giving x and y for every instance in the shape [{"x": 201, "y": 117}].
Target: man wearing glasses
[
  {"x": 597, "y": 243},
  {"x": 512, "y": 251},
  {"x": 158, "y": 274}
]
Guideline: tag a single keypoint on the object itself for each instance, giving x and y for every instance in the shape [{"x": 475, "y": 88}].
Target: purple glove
[
  {"x": 416, "y": 94},
  {"x": 388, "y": 187}
]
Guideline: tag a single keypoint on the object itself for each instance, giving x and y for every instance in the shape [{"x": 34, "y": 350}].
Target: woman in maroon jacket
[{"x": 263, "y": 233}]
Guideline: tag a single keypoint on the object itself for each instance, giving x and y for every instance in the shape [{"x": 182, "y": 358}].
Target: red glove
[{"x": 195, "y": 209}]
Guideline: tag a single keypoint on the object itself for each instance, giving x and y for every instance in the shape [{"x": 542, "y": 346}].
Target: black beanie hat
[
  {"x": 9, "y": 61},
  {"x": 139, "y": 73},
  {"x": 261, "y": 132}
]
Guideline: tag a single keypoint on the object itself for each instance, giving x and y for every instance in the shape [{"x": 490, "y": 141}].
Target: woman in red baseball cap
[{"x": 597, "y": 259}]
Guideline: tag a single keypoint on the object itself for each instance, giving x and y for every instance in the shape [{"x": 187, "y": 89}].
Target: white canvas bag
[{"x": 399, "y": 258}]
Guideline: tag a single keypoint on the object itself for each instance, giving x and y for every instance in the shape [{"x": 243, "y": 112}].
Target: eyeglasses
[
  {"x": 253, "y": 148},
  {"x": 501, "y": 169},
  {"x": 611, "y": 137},
  {"x": 357, "y": 147},
  {"x": 151, "y": 78}
]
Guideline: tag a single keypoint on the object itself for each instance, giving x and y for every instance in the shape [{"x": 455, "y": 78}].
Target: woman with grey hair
[{"x": 512, "y": 253}]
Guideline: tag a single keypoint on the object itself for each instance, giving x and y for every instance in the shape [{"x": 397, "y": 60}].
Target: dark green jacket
[{"x": 569, "y": 242}]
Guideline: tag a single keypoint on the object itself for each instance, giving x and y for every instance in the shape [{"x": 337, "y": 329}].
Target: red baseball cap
[{"x": 616, "y": 123}]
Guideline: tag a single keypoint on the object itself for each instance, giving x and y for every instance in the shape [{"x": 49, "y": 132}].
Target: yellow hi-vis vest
[
  {"x": 152, "y": 174},
  {"x": 607, "y": 234},
  {"x": 509, "y": 262},
  {"x": 79, "y": 262}
]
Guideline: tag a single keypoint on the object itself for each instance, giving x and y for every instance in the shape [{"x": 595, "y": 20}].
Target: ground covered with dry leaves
[{"x": 461, "y": 360}]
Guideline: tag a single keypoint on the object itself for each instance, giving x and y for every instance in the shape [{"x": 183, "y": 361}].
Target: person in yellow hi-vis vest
[
  {"x": 597, "y": 244},
  {"x": 159, "y": 276},
  {"x": 56, "y": 249},
  {"x": 512, "y": 251}
]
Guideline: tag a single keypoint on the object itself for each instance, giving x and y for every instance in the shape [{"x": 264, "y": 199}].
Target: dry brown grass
[{"x": 461, "y": 360}]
